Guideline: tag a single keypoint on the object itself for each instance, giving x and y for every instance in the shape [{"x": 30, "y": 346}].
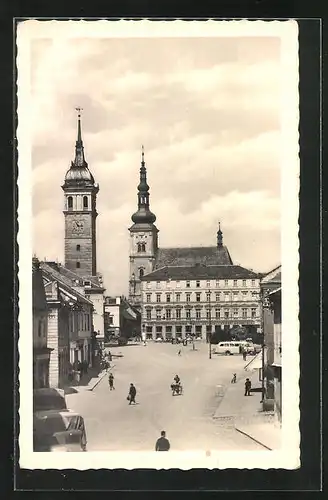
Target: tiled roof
[
  {"x": 71, "y": 278},
  {"x": 200, "y": 272},
  {"x": 54, "y": 274},
  {"x": 191, "y": 256}
]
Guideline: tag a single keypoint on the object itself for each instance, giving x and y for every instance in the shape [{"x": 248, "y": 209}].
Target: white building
[{"x": 197, "y": 300}]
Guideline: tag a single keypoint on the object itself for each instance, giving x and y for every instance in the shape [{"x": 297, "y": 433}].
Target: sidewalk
[
  {"x": 90, "y": 385},
  {"x": 246, "y": 413},
  {"x": 235, "y": 404}
]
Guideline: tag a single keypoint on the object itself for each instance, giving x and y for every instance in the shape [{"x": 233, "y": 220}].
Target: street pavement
[{"x": 114, "y": 425}]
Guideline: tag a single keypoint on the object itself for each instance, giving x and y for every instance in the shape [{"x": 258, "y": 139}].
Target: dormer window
[{"x": 70, "y": 202}]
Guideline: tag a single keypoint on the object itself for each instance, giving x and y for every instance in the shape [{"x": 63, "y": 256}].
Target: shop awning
[
  {"x": 255, "y": 363},
  {"x": 129, "y": 314}
]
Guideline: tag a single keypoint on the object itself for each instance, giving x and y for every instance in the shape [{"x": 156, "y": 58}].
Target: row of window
[
  {"x": 79, "y": 321},
  {"x": 226, "y": 314},
  {"x": 159, "y": 329},
  {"x": 70, "y": 202},
  {"x": 189, "y": 284},
  {"x": 188, "y": 296}
]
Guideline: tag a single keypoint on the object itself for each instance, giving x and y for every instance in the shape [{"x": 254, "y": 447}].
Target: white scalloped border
[{"x": 289, "y": 455}]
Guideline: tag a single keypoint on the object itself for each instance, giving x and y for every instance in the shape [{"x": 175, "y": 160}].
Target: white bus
[{"x": 233, "y": 347}]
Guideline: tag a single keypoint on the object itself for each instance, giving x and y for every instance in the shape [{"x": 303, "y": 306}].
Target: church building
[{"x": 186, "y": 291}]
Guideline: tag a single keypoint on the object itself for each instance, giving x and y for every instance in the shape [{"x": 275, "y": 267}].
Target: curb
[
  {"x": 253, "y": 439},
  {"x": 99, "y": 380}
]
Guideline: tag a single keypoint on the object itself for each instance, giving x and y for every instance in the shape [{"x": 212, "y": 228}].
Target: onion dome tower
[
  {"x": 80, "y": 191},
  {"x": 143, "y": 238}
]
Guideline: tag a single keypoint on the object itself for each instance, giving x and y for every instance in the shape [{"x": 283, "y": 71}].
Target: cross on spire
[
  {"x": 79, "y": 153},
  {"x": 79, "y": 111}
]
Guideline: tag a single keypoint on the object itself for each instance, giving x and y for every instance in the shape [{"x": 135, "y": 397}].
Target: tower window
[
  {"x": 78, "y": 265},
  {"x": 78, "y": 247},
  {"x": 85, "y": 202},
  {"x": 70, "y": 202},
  {"x": 141, "y": 273},
  {"x": 141, "y": 247}
]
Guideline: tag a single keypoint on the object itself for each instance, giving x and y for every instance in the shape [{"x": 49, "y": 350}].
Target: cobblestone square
[{"x": 113, "y": 425}]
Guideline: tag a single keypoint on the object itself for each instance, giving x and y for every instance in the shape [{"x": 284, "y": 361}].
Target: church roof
[
  {"x": 191, "y": 256},
  {"x": 200, "y": 272}
]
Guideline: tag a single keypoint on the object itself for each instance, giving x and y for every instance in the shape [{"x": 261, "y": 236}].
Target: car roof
[{"x": 54, "y": 413}]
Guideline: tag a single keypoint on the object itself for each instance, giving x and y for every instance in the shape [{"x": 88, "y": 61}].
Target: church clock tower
[
  {"x": 80, "y": 192},
  {"x": 143, "y": 238}
]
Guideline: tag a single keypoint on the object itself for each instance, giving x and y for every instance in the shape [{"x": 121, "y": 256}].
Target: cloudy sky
[{"x": 208, "y": 113}]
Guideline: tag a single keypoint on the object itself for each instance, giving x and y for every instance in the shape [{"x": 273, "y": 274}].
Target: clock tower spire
[{"x": 80, "y": 196}]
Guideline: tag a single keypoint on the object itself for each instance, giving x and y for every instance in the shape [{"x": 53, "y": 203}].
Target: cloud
[{"x": 208, "y": 113}]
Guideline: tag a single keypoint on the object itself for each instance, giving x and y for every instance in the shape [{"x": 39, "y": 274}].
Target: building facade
[
  {"x": 181, "y": 301},
  {"x": 41, "y": 351},
  {"x": 275, "y": 299},
  {"x": 70, "y": 324},
  {"x": 269, "y": 282},
  {"x": 121, "y": 318}
]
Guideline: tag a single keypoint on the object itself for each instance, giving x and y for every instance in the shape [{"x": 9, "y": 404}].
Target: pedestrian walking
[
  {"x": 248, "y": 386},
  {"x": 244, "y": 355},
  {"x": 111, "y": 382},
  {"x": 162, "y": 443},
  {"x": 234, "y": 378},
  {"x": 132, "y": 394}
]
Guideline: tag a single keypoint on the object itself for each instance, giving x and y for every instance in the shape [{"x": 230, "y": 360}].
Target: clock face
[{"x": 77, "y": 226}]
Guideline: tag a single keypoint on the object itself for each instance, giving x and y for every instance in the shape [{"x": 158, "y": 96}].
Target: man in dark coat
[
  {"x": 162, "y": 444},
  {"x": 248, "y": 386},
  {"x": 132, "y": 394},
  {"x": 111, "y": 382}
]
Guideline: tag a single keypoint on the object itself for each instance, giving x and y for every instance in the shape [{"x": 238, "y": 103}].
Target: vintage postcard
[{"x": 158, "y": 233}]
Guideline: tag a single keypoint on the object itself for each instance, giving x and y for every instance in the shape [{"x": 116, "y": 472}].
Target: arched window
[
  {"x": 78, "y": 265},
  {"x": 70, "y": 202},
  {"x": 141, "y": 272},
  {"x": 141, "y": 247},
  {"x": 85, "y": 202}
]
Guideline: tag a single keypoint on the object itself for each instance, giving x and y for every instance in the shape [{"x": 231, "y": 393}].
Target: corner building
[{"x": 186, "y": 291}]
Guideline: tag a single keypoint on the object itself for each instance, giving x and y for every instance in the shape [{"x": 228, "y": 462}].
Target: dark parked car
[
  {"x": 59, "y": 431},
  {"x": 48, "y": 399}
]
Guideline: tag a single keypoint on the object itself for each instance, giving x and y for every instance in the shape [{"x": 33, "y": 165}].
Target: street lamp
[{"x": 209, "y": 325}]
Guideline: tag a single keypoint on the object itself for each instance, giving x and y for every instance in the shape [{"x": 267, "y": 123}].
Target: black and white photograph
[{"x": 158, "y": 178}]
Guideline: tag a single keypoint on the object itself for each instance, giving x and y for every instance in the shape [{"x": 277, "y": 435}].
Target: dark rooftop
[
  {"x": 71, "y": 278},
  {"x": 200, "y": 272},
  {"x": 38, "y": 291},
  {"x": 190, "y": 256},
  {"x": 51, "y": 273}
]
